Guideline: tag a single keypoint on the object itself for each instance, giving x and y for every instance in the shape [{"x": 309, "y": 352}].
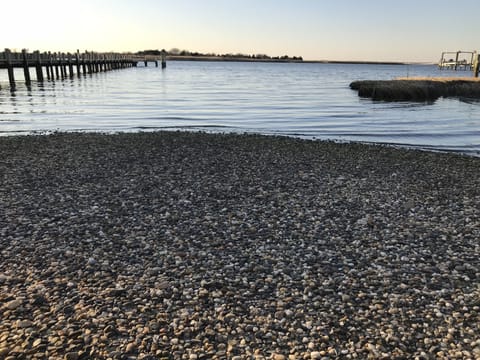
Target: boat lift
[{"x": 460, "y": 60}]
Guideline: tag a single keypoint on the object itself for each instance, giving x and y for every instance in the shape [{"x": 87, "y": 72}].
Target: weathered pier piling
[{"x": 59, "y": 65}]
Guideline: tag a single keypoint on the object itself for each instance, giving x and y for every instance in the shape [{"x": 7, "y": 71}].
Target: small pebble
[{"x": 180, "y": 245}]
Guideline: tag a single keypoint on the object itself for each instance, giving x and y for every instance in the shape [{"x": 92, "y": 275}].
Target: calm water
[{"x": 305, "y": 100}]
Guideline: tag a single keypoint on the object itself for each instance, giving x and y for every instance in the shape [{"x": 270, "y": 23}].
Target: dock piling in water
[
  {"x": 38, "y": 66},
  {"x": 164, "y": 59},
  {"x": 8, "y": 61},
  {"x": 26, "y": 70},
  {"x": 476, "y": 64}
]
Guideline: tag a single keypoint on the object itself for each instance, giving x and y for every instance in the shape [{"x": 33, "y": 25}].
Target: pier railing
[{"x": 58, "y": 65}]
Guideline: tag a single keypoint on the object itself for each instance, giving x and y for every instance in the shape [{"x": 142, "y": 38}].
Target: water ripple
[{"x": 304, "y": 100}]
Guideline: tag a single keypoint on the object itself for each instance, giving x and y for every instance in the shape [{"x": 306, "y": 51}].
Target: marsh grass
[{"x": 417, "y": 89}]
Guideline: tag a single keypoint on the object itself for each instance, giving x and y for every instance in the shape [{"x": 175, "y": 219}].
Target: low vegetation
[{"x": 417, "y": 89}]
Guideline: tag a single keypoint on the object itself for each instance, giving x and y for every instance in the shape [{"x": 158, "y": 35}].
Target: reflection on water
[
  {"x": 307, "y": 100},
  {"x": 472, "y": 101}
]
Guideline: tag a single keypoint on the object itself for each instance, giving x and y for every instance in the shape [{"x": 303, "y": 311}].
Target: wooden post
[
  {"x": 106, "y": 60},
  {"x": 440, "y": 64},
  {"x": 55, "y": 60},
  {"x": 61, "y": 61},
  {"x": 48, "y": 66},
  {"x": 26, "y": 71},
  {"x": 70, "y": 64},
  {"x": 84, "y": 66},
  {"x": 97, "y": 63},
  {"x": 94, "y": 62},
  {"x": 456, "y": 60},
  {"x": 11, "y": 76},
  {"x": 89, "y": 63},
  {"x": 52, "y": 64},
  {"x": 164, "y": 59},
  {"x": 476, "y": 64},
  {"x": 85, "y": 61},
  {"x": 77, "y": 61},
  {"x": 63, "y": 68},
  {"x": 38, "y": 66},
  {"x": 65, "y": 63}
]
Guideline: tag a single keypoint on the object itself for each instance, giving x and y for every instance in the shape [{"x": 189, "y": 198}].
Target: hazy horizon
[{"x": 336, "y": 30}]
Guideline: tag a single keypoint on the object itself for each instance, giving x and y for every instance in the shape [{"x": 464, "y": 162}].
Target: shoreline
[
  {"x": 398, "y": 146},
  {"x": 289, "y": 60},
  {"x": 190, "y": 245}
]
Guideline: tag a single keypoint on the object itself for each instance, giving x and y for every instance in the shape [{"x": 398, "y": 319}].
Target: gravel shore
[{"x": 176, "y": 245}]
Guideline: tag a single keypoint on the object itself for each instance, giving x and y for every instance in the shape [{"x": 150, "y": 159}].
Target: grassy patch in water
[{"x": 417, "y": 89}]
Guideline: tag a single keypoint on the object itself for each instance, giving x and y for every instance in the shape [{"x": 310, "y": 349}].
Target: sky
[{"x": 360, "y": 30}]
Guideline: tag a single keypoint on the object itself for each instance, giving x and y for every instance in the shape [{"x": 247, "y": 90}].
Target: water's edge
[{"x": 311, "y": 101}]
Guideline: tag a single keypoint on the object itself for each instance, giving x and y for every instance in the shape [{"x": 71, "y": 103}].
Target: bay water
[{"x": 308, "y": 100}]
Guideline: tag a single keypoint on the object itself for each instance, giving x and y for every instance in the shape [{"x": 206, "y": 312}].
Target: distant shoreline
[
  {"x": 290, "y": 60},
  {"x": 355, "y": 62},
  {"x": 229, "y": 59}
]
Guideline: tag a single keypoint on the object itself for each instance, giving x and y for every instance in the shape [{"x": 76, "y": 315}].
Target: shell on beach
[{"x": 177, "y": 245}]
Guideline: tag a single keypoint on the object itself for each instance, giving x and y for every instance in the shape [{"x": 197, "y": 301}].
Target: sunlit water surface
[{"x": 304, "y": 100}]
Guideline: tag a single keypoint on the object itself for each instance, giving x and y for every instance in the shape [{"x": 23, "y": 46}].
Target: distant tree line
[
  {"x": 151, "y": 52},
  {"x": 178, "y": 52}
]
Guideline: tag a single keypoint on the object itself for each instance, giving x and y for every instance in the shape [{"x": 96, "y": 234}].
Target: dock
[{"x": 57, "y": 65}]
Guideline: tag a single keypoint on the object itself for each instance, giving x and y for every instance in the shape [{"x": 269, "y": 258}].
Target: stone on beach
[
  {"x": 14, "y": 304},
  {"x": 177, "y": 245}
]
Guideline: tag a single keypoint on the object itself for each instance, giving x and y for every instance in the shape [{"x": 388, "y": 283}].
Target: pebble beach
[{"x": 179, "y": 245}]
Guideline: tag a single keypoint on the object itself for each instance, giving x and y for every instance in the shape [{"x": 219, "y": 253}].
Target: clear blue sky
[{"x": 382, "y": 30}]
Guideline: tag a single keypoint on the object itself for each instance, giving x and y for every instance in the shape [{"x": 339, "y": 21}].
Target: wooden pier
[{"x": 57, "y": 65}]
